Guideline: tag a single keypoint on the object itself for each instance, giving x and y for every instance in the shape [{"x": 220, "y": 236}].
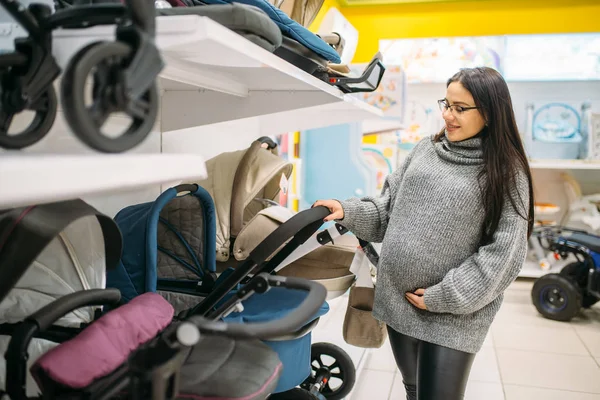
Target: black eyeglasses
[{"x": 456, "y": 109}]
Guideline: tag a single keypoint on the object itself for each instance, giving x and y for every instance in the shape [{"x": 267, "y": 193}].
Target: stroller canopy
[
  {"x": 70, "y": 246},
  {"x": 73, "y": 261},
  {"x": 235, "y": 181}
]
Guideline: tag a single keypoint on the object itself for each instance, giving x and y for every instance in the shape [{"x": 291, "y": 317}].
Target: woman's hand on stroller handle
[
  {"x": 188, "y": 332},
  {"x": 335, "y": 209}
]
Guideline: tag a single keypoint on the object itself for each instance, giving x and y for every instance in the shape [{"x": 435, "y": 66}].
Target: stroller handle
[
  {"x": 64, "y": 305},
  {"x": 188, "y": 333},
  {"x": 186, "y": 187},
  {"x": 301, "y": 225},
  {"x": 294, "y": 232}
]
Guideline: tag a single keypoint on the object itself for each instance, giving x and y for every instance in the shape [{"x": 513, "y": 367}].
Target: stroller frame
[{"x": 28, "y": 73}]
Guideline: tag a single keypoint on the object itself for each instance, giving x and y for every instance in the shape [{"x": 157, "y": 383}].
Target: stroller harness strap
[{"x": 25, "y": 232}]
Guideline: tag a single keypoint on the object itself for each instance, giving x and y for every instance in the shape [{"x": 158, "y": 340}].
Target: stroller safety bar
[
  {"x": 17, "y": 355},
  {"x": 188, "y": 333}
]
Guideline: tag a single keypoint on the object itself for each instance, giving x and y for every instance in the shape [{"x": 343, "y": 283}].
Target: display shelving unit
[{"x": 212, "y": 75}]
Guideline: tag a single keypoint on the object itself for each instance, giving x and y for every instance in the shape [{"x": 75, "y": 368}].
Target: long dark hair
[{"x": 503, "y": 151}]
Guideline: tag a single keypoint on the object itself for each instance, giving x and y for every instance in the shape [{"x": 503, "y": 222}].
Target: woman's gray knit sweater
[{"x": 429, "y": 219}]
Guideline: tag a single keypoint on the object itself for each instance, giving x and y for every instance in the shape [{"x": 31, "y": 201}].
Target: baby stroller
[
  {"x": 70, "y": 257},
  {"x": 123, "y": 73},
  {"x": 134, "y": 351},
  {"x": 561, "y": 296},
  {"x": 194, "y": 252}
]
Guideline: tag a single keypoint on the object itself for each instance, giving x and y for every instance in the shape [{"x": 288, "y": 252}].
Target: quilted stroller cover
[{"x": 74, "y": 260}]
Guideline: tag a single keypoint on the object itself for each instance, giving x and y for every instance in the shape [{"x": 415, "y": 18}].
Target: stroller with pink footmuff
[{"x": 136, "y": 351}]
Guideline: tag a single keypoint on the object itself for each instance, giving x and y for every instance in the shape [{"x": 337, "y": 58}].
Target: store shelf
[
  {"x": 27, "y": 179},
  {"x": 239, "y": 78},
  {"x": 379, "y": 125},
  {"x": 531, "y": 269},
  {"x": 565, "y": 164}
]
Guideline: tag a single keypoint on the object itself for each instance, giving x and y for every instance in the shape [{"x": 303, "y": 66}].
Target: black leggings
[{"x": 429, "y": 371}]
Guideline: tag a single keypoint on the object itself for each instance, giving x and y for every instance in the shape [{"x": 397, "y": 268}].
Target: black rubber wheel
[
  {"x": 293, "y": 394},
  {"x": 579, "y": 274},
  {"x": 341, "y": 369},
  {"x": 105, "y": 61},
  {"x": 556, "y": 297},
  {"x": 45, "y": 114}
]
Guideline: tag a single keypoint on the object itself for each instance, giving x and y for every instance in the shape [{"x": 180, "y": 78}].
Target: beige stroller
[{"x": 245, "y": 186}]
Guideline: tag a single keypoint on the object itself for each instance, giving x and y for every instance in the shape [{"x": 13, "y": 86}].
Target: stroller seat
[{"x": 215, "y": 368}]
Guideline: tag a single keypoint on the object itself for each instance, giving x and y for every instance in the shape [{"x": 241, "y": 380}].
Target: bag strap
[{"x": 25, "y": 232}]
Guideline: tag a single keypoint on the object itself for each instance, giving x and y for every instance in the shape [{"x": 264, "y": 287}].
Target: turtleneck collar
[{"x": 468, "y": 152}]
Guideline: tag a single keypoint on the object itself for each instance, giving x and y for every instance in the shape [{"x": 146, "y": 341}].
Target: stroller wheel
[
  {"x": 45, "y": 114},
  {"x": 104, "y": 63},
  {"x": 578, "y": 273},
  {"x": 340, "y": 373},
  {"x": 556, "y": 297}
]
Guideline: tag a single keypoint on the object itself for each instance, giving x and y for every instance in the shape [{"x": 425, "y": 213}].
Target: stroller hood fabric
[
  {"x": 290, "y": 28},
  {"x": 236, "y": 180}
]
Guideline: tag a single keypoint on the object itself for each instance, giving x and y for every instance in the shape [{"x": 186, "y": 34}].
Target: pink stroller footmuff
[{"x": 215, "y": 368}]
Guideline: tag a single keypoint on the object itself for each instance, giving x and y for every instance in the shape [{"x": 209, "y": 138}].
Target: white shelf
[
  {"x": 214, "y": 75},
  {"x": 565, "y": 164},
  {"x": 27, "y": 179},
  {"x": 377, "y": 125}
]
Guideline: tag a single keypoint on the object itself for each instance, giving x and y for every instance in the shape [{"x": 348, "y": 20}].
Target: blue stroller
[
  {"x": 180, "y": 246},
  {"x": 561, "y": 296}
]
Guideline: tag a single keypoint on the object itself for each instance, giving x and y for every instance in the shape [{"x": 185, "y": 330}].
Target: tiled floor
[{"x": 525, "y": 356}]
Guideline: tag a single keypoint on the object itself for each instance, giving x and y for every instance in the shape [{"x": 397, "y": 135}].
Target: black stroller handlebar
[
  {"x": 300, "y": 225},
  {"x": 292, "y": 234},
  {"x": 51, "y": 313},
  {"x": 188, "y": 333}
]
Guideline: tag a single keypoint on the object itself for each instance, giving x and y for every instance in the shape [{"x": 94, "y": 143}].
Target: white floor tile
[
  {"x": 489, "y": 340},
  {"x": 484, "y": 390},
  {"x": 552, "y": 371},
  {"x": 538, "y": 338},
  {"x": 485, "y": 367},
  {"x": 514, "y": 392},
  {"x": 381, "y": 359},
  {"x": 525, "y": 314},
  {"x": 398, "y": 392},
  {"x": 591, "y": 338},
  {"x": 373, "y": 385}
]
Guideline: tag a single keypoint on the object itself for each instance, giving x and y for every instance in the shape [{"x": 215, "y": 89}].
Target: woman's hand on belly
[{"x": 416, "y": 298}]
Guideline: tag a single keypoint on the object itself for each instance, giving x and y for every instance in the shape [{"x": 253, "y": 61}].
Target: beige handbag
[{"x": 360, "y": 328}]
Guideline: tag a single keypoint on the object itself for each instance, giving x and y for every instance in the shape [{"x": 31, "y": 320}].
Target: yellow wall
[
  {"x": 327, "y": 4},
  {"x": 468, "y": 18}
]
